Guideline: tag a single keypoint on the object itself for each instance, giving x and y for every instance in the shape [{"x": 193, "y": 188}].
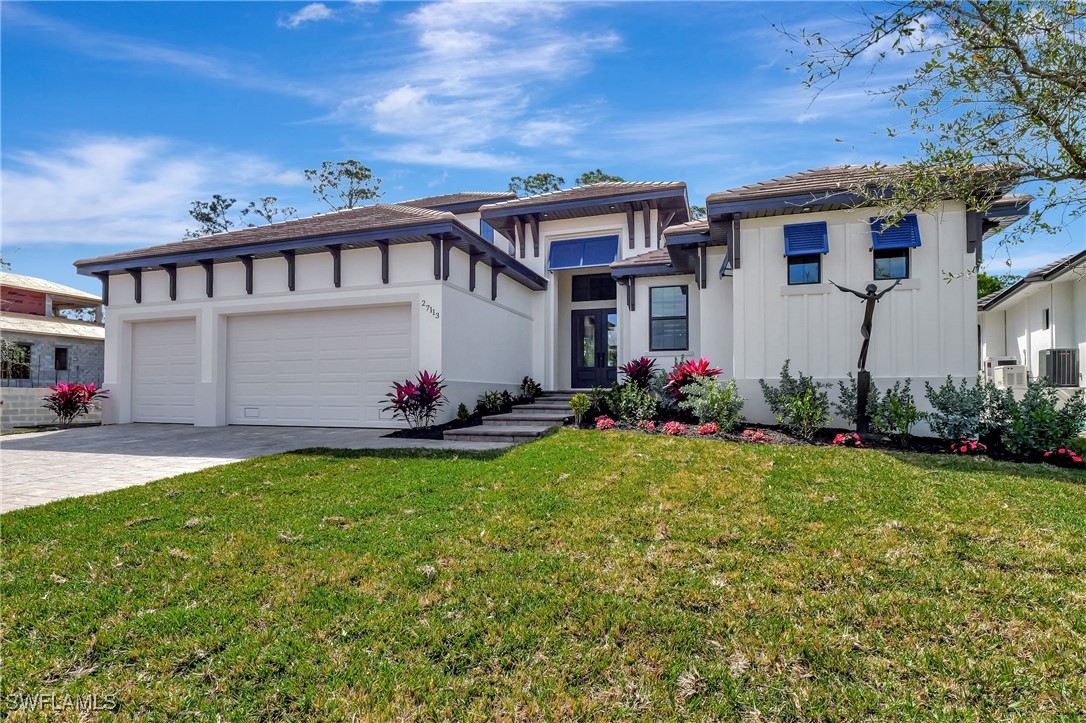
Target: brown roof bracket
[
  {"x": 137, "y": 281},
  {"x": 209, "y": 276}
]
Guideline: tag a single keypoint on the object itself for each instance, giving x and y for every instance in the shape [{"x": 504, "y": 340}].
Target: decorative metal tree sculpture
[{"x": 870, "y": 296}]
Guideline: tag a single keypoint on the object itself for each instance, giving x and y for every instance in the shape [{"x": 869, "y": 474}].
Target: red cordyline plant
[
  {"x": 69, "y": 401},
  {"x": 639, "y": 371},
  {"x": 417, "y": 402},
  {"x": 686, "y": 371}
]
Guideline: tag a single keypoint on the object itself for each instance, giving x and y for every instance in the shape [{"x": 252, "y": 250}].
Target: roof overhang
[
  {"x": 503, "y": 218},
  {"x": 1042, "y": 275},
  {"x": 452, "y": 230}
]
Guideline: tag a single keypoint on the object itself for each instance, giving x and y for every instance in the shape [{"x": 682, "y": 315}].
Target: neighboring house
[
  {"x": 1039, "y": 324},
  {"x": 43, "y": 345},
  {"x": 309, "y": 321}
]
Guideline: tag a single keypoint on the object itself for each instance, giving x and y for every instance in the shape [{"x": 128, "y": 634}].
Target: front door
[{"x": 595, "y": 348}]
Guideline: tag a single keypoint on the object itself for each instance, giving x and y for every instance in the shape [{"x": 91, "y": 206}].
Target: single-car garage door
[
  {"x": 164, "y": 371},
  {"x": 316, "y": 368}
]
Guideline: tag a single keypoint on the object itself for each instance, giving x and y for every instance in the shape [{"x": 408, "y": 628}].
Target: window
[
  {"x": 60, "y": 359},
  {"x": 891, "y": 263},
  {"x": 575, "y": 253},
  {"x": 805, "y": 269},
  {"x": 668, "y": 327},
  {"x": 594, "y": 287},
  {"x": 1048, "y": 320},
  {"x": 16, "y": 360}
]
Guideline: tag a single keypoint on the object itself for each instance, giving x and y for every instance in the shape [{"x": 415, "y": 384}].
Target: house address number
[{"x": 433, "y": 312}]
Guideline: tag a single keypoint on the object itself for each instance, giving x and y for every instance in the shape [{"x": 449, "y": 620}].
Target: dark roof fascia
[
  {"x": 471, "y": 242},
  {"x": 1002, "y": 295},
  {"x": 558, "y": 205},
  {"x": 694, "y": 238},
  {"x": 775, "y": 205},
  {"x": 624, "y": 272},
  {"x": 462, "y": 207}
]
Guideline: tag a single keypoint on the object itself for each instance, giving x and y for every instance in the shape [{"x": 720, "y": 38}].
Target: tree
[
  {"x": 211, "y": 216},
  {"x": 597, "y": 176},
  {"x": 995, "y": 82},
  {"x": 344, "y": 184},
  {"x": 697, "y": 213},
  {"x": 991, "y": 283},
  {"x": 267, "y": 210},
  {"x": 536, "y": 184}
]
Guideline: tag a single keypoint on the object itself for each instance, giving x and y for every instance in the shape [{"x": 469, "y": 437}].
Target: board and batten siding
[{"x": 924, "y": 329}]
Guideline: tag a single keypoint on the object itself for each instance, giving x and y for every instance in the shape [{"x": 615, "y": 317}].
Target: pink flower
[
  {"x": 709, "y": 428},
  {"x": 755, "y": 436},
  {"x": 674, "y": 429},
  {"x": 647, "y": 425},
  {"x": 604, "y": 422}
]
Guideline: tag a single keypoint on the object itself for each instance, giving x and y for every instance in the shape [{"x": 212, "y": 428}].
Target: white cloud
[
  {"x": 310, "y": 13},
  {"x": 122, "y": 190},
  {"x": 478, "y": 78}
]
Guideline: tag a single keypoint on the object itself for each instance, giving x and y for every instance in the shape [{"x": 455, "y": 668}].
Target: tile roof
[
  {"x": 32, "y": 283},
  {"x": 1041, "y": 274},
  {"x": 466, "y": 198},
  {"x": 698, "y": 226},
  {"x": 363, "y": 218},
  {"x": 815, "y": 180},
  {"x": 590, "y": 192},
  {"x": 649, "y": 258},
  {"x": 50, "y": 326}
]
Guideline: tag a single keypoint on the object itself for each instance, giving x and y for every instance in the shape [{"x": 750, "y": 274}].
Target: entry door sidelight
[{"x": 595, "y": 348}]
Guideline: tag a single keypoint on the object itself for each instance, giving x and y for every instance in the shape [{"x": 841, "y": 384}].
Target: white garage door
[
  {"x": 316, "y": 368},
  {"x": 164, "y": 371}
]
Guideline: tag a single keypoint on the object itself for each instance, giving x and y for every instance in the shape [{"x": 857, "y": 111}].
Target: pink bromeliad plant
[
  {"x": 417, "y": 402},
  {"x": 69, "y": 401},
  {"x": 686, "y": 371}
]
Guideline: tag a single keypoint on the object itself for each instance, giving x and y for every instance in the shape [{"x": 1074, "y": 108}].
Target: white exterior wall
[
  {"x": 925, "y": 329},
  {"x": 464, "y": 335},
  {"x": 1016, "y": 326}
]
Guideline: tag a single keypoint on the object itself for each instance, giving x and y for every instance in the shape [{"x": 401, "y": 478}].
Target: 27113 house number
[{"x": 433, "y": 312}]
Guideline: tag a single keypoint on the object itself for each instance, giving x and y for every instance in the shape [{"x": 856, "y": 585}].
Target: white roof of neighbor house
[
  {"x": 31, "y": 283},
  {"x": 50, "y": 326}
]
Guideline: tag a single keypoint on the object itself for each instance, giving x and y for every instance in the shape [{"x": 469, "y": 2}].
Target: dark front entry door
[{"x": 595, "y": 348}]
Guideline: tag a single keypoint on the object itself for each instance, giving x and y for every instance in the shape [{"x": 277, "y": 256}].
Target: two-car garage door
[
  {"x": 315, "y": 368},
  {"x": 311, "y": 368}
]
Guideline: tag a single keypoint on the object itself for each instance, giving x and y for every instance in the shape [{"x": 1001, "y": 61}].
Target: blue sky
[{"x": 117, "y": 115}]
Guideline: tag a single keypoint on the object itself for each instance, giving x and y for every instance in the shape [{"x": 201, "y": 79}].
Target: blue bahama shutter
[
  {"x": 576, "y": 253},
  {"x": 906, "y": 234},
  {"x": 806, "y": 238}
]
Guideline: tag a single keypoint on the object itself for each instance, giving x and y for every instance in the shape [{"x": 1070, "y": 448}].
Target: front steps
[{"x": 523, "y": 424}]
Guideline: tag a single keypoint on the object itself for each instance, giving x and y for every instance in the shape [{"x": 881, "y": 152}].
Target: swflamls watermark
[{"x": 47, "y": 702}]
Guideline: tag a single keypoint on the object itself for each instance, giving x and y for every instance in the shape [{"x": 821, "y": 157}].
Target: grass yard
[{"x": 588, "y": 575}]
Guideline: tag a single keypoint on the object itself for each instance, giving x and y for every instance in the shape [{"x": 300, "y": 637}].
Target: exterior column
[{"x": 210, "y": 408}]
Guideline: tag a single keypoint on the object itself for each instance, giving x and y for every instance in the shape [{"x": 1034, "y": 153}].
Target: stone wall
[{"x": 21, "y": 407}]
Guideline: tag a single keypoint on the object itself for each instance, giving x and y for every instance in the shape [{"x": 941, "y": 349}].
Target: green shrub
[
  {"x": 579, "y": 404},
  {"x": 1039, "y": 424},
  {"x": 530, "y": 388},
  {"x": 665, "y": 401},
  {"x": 494, "y": 402},
  {"x": 895, "y": 413},
  {"x": 631, "y": 402},
  {"x": 845, "y": 406},
  {"x": 995, "y": 412},
  {"x": 956, "y": 409},
  {"x": 597, "y": 398},
  {"x": 462, "y": 412},
  {"x": 798, "y": 403},
  {"x": 710, "y": 401}
]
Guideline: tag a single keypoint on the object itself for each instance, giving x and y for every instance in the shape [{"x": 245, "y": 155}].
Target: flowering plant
[
  {"x": 639, "y": 371},
  {"x": 604, "y": 422},
  {"x": 646, "y": 425},
  {"x": 756, "y": 436},
  {"x": 1063, "y": 457},
  {"x": 709, "y": 428},
  {"x": 417, "y": 402},
  {"x": 686, "y": 371},
  {"x": 968, "y": 446},
  {"x": 849, "y": 439},
  {"x": 69, "y": 401},
  {"x": 674, "y": 429}
]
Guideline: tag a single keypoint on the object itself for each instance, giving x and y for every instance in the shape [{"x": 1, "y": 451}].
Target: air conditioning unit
[
  {"x": 1010, "y": 376},
  {"x": 1059, "y": 366},
  {"x": 994, "y": 362}
]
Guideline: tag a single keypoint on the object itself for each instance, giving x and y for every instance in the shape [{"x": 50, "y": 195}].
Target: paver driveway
[{"x": 45, "y": 466}]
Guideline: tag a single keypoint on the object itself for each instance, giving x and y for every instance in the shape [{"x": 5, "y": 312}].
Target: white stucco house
[
  {"x": 307, "y": 322},
  {"x": 1038, "y": 325}
]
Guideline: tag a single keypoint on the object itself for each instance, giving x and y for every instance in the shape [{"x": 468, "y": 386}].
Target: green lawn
[{"x": 588, "y": 575}]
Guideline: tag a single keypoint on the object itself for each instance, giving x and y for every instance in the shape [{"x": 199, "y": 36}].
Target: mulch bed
[{"x": 438, "y": 430}]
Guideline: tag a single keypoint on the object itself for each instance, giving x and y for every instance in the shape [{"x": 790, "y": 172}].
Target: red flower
[
  {"x": 685, "y": 371},
  {"x": 674, "y": 429},
  {"x": 604, "y": 422},
  {"x": 709, "y": 428}
]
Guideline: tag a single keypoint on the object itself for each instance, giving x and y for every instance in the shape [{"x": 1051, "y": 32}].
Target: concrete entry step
[
  {"x": 547, "y": 405},
  {"x": 498, "y": 433},
  {"x": 527, "y": 416}
]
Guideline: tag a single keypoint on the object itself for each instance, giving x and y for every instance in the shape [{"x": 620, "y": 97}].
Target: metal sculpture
[{"x": 870, "y": 296}]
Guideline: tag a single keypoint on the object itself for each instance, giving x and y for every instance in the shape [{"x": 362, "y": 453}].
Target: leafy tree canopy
[
  {"x": 697, "y": 213},
  {"x": 536, "y": 184},
  {"x": 597, "y": 176},
  {"x": 344, "y": 184},
  {"x": 991, "y": 283},
  {"x": 214, "y": 216},
  {"x": 993, "y": 82}
]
